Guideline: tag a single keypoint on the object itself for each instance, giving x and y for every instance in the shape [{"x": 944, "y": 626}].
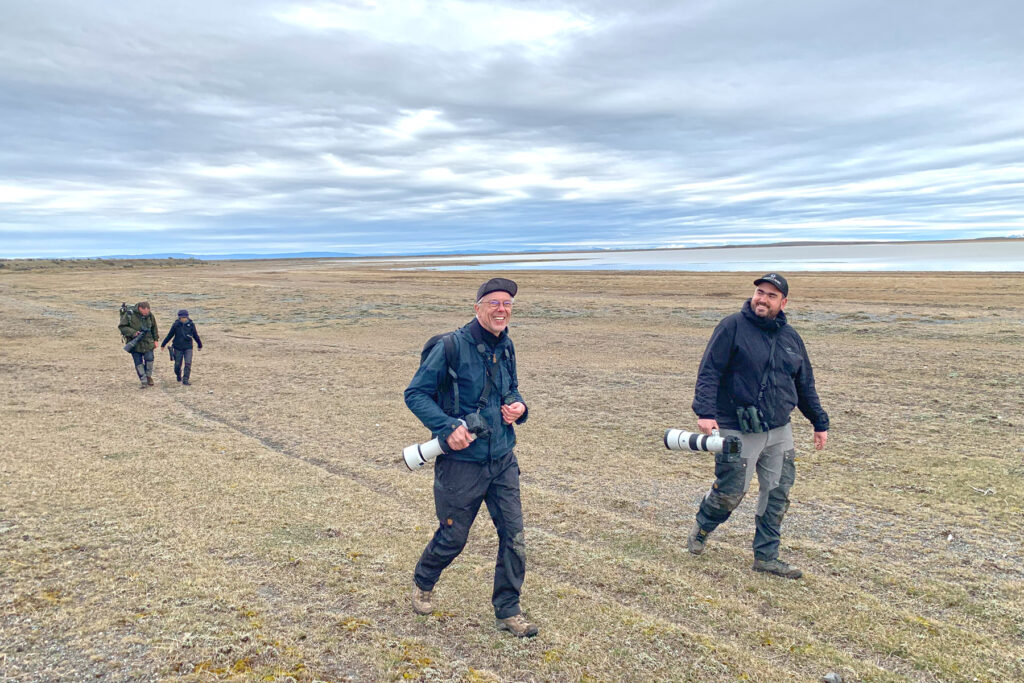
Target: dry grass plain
[{"x": 258, "y": 526}]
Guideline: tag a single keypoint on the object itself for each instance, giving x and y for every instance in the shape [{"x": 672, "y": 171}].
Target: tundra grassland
[{"x": 258, "y": 526}]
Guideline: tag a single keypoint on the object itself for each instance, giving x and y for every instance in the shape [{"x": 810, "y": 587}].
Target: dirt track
[{"x": 257, "y": 525}]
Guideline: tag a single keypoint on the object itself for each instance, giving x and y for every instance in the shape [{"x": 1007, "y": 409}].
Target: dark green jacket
[
  {"x": 133, "y": 322},
  {"x": 473, "y": 356}
]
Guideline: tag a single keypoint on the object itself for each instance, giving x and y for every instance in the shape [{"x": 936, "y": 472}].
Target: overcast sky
[{"x": 412, "y": 126}]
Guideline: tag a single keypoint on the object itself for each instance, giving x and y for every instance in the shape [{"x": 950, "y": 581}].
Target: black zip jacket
[
  {"x": 734, "y": 361},
  {"x": 183, "y": 333}
]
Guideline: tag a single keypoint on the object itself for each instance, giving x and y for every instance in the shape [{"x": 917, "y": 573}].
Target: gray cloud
[{"x": 427, "y": 126}]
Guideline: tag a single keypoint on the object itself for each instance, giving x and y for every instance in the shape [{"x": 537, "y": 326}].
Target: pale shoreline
[{"x": 1002, "y": 255}]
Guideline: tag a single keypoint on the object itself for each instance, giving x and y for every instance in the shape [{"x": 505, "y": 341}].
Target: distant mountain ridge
[{"x": 232, "y": 257}]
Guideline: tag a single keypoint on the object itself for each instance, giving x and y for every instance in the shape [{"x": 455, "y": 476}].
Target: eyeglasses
[{"x": 494, "y": 303}]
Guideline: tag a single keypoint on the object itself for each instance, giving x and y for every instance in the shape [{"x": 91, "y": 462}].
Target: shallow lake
[{"x": 979, "y": 256}]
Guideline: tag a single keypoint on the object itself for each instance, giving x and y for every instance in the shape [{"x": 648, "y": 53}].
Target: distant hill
[{"x": 236, "y": 257}]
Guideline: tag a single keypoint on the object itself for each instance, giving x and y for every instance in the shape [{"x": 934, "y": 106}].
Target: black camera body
[{"x": 476, "y": 426}]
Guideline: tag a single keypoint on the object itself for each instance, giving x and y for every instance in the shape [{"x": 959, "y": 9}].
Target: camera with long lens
[
  {"x": 130, "y": 346},
  {"x": 419, "y": 454},
  {"x": 679, "y": 440}
]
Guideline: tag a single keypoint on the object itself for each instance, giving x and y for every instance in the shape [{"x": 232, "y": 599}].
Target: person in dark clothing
[
  {"x": 183, "y": 331},
  {"x": 755, "y": 370},
  {"x": 476, "y": 469},
  {"x": 139, "y": 323}
]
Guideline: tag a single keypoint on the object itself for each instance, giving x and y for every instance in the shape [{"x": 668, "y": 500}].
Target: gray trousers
[
  {"x": 772, "y": 455},
  {"x": 180, "y": 355}
]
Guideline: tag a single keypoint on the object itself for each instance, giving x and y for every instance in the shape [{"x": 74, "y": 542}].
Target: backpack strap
[{"x": 451, "y": 359}]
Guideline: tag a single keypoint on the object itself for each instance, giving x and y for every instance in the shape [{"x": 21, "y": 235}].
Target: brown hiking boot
[
  {"x": 421, "y": 600},
  {"x": 518, "y": 626},
  {"x": 778, "y": 568},
  {"x": 149, "y": 381},
  {"x": 696, "y": 540}
]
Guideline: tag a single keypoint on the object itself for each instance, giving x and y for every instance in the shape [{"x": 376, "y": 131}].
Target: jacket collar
[
  {"x": 766, "y": 324},
  {"x": 480, "y": 335}
]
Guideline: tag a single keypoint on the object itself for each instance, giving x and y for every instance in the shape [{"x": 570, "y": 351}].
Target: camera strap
[
  {"x": 487, "y": 357},
  {"x": 767, "y": 369}
]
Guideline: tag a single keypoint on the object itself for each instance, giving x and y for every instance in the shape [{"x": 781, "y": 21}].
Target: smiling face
[
  {"x": 494, "y": 311},
  {"x": 767, "y": 301}
]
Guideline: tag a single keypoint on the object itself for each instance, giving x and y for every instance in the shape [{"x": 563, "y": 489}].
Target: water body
[{"x": 965, "y": 256}]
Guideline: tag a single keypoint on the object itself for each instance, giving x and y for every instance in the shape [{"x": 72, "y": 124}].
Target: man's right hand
[
  {"x": 706, "y": 425},
  {"x": 459, "y": 439}
]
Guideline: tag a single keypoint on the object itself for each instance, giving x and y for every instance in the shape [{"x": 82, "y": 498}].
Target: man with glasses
[
  {"x": 478, "y": 467},
  {"x": 755, "y": 370}
]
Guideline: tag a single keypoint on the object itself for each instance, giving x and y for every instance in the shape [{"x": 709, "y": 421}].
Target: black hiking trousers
[{"x": 459, "y": 489}]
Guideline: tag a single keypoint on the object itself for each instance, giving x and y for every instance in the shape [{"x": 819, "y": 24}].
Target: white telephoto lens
[
  {"x": 419, "y": 454},
  {"x": 680, "y": 440}
]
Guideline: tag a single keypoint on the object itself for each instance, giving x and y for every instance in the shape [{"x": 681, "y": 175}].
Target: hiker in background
[
  {"x": 478, "y": 464},
  {"x": 138, "y": 328},
  {"x": 183, "y": 331},
  {"x": 755, "y": 370}
]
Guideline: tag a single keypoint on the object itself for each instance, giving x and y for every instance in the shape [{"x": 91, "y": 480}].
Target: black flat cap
[
  {"x": 775, "y": 279},
  {"x": 496, "y": 284},
  {"x": 183, "y": 313}
]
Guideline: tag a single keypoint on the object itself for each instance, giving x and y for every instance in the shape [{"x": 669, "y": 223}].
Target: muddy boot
[
  {"x": 149, "y": 373},
  {"x": 140, "y": 370},
  {"x": 518, "y": 626},
  {"x": 778, "y": 568},
  {"x": 185, "y": 373},
  {"x": 696, "y": 540},
  {"x": 421, "y": 600}
]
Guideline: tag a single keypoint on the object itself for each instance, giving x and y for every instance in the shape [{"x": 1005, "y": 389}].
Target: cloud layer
[{"x": 412, "y": 126}]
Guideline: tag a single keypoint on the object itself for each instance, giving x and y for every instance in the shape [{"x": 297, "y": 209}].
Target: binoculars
[{"x": 678, "y": 440}]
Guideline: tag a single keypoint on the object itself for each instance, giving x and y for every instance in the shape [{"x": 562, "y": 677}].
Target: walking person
[
  {"x": 182, "y": 331},
  {"x": 755, "y": 370},
  {"x": 138, "y": 325},
  {"x": 478, "y": 467}
]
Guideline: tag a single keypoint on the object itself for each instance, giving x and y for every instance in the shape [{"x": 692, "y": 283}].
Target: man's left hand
[
  {"x": 820, "y": 438},
  {"x": 512, "y": 412}
]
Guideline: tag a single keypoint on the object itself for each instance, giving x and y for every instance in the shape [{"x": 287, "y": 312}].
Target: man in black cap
[
  {"x": 183, "y": 330},
  {"x": 477, "y": 467},
  {"x": 755, "y": 370}
]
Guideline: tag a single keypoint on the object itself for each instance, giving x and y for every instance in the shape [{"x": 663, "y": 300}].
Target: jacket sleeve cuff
[
  {"x": 526, "y": 413},
  {"x": 443, "y": 434}
]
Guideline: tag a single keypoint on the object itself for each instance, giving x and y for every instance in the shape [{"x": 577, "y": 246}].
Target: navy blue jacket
[
  {"x": 183, "y": 333},
  {"x": 475, "y": 347},
  {"x": 736, "y": 357}
]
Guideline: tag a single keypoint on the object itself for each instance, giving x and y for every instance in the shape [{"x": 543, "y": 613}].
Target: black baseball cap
[
  {"x": 775, "y": 279},
  {"x": 496, "y": 284}
]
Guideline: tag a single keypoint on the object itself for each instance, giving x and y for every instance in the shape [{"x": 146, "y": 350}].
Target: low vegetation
[{"x": 258, "y": 526}]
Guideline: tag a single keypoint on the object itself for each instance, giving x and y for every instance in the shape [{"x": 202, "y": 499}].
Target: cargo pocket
[{"x": 730, "y": 475}]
